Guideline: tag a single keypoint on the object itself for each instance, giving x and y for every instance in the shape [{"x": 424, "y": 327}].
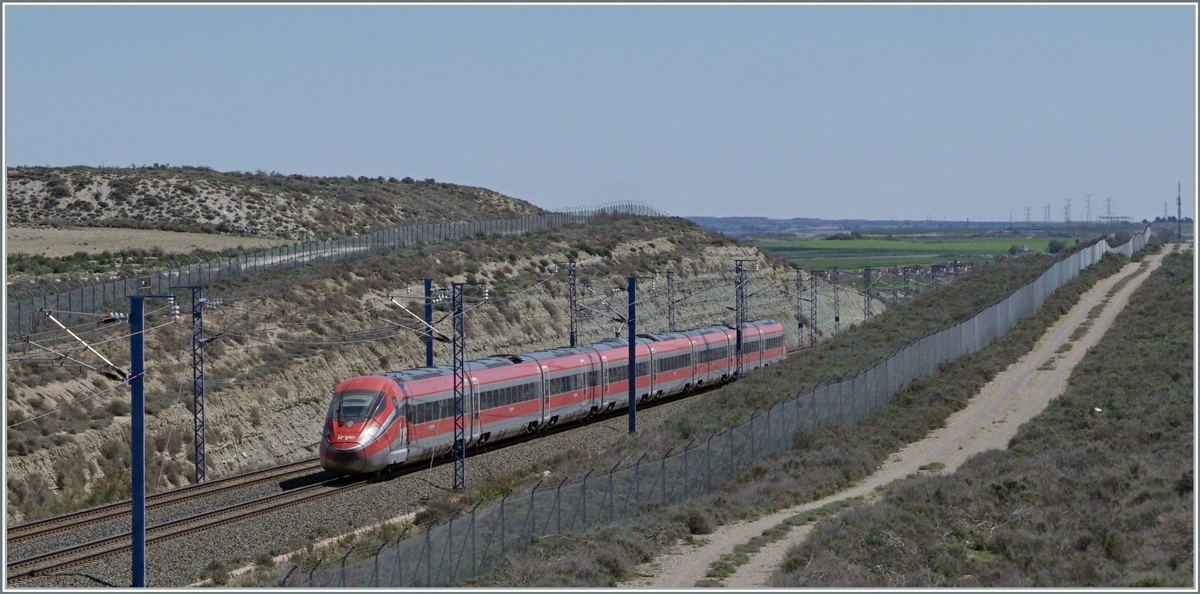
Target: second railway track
[
  {"x": 41, "y": 528},
  {"x": 76, "y": 555},
  {"x": 48, "y": 563}
]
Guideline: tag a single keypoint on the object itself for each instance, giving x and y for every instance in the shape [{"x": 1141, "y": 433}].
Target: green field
[{"x": 824, "y": 254}]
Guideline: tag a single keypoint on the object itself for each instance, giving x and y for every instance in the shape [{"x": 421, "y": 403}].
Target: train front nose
[{"x": 343, "y": 459}]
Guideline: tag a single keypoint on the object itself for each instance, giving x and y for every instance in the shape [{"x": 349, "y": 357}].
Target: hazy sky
[{"x": 782, "y": 111}]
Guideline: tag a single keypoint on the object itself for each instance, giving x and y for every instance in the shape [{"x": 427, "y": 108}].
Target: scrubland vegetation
[
  {"x": 1095, "y": 491},
  {"x": 199, "y": 199},
  {"x": 819, "y": 464}
]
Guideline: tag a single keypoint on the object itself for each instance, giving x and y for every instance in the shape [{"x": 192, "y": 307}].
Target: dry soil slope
[
  {"x": 268, "y": 387},
  {"x": 254, "y": 204}
]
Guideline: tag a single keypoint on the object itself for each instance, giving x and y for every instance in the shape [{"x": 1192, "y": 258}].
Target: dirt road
[{"x": 989, "y": 421}]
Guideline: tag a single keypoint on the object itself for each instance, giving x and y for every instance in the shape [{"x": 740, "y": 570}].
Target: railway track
[
  {"x": 49, "y": 563},
  {"x": 52, "y": 562},
  {"x": 72, "y": 521}
]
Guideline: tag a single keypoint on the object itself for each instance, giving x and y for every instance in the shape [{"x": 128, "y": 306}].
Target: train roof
[
  {"x": 609, "y": 343},
  {"x": 421, "y": 373},
  {"x": 494, "y": 361},
  {"x": 553, "y": 353},
  {"x": 668, "y": 335}
]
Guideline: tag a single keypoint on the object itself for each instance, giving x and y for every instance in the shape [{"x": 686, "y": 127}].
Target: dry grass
[
  {"x": 1095, "y": 491},
  {"x": 819, "y": 464}
]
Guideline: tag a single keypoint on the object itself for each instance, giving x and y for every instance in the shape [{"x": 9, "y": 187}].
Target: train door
[
  {"x": 399, "y": 446},
  {"x": 752, "y": 334},
  {"x": 603, "y": 370},
  {"x": 700, "y": 360},
  {"x": 692, "y": 363},
  {"x": 730, "y": 354},
  {"x": 472, "y": 412},
  {"x": 591, "y": 382},
  {"x": 650, "y": 392},
  {"x": 545, "y": 395}
]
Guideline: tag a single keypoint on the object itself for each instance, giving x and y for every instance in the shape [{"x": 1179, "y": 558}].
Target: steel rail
[
  {"x": 57, "y": 524},
  {"x": 31, "y": 567}
]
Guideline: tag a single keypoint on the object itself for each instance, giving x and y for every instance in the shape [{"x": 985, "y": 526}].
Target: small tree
[{"x": 1056, "y": 246}]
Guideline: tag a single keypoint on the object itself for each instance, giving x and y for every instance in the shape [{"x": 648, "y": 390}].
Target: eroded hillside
[
  {"x": 288, "y": 337},
  {"x": 254, "y": 204}
]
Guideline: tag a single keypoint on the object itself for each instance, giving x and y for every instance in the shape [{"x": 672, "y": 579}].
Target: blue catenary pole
[
  {"x": 137, "y": 443},
  {"x": 137, "y": 437}
]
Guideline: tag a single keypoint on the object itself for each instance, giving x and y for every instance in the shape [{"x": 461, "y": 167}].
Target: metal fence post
[
  {"x": 796, "y": 410},
  {"x": 769, "y": 427},
  {"x": 502, "y": 500},
  {"x": 813, "y": 409},
  {"x": 637, "y": 485},
  {"x": 663, "y": 476},
  {"x": 708, "y": 464},
  {"x": 558, "y": 505},
  {"x": 532, "y": 496},
  {"x": 378, "y": 552},
  {"x": 450, "y": 544},
  {"x": 612, "y": 494},
  {"x": 753, "y": 455},
  {"x": 344, "y": 557},
  {"x": 686, "y": 476},
  {"x": 583, "y": 489},
  {"x": 474, "y": 560},
  {"x": 283, "y": 582},
  {"x": 311, "y": 571},
  {"x": 732, "y": 465},
  {"x": 428, "y": 556}
]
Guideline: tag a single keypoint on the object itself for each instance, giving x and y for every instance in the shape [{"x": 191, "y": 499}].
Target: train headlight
[{"x": 368, "y": 433}]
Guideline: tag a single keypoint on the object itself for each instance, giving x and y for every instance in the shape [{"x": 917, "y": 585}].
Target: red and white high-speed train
[{"x": 400, "y": 416}]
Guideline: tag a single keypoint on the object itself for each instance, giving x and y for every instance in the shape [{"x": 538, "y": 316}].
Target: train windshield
[{"x": 356, "y": 405}]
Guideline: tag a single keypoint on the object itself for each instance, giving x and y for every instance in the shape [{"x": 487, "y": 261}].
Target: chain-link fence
[
  {"x": 458, "y": 548},
  {"x": 25, "y": 305}
]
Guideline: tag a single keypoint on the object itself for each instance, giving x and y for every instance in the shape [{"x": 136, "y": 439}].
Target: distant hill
[{"x": 253, "y": 204}]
